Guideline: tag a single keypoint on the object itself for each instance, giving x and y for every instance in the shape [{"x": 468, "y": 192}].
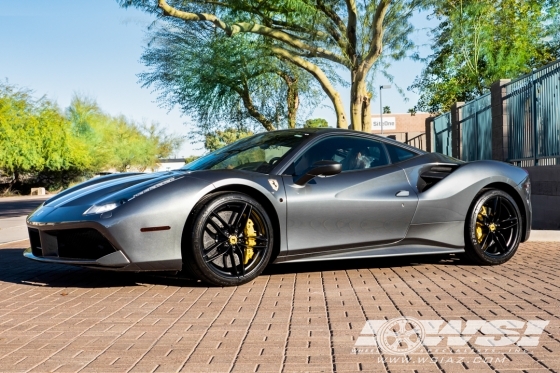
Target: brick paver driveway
[{"x": 305, "y": 317}]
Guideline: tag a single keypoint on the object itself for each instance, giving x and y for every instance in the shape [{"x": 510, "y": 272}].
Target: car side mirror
[{"x": 321, "y": 168}]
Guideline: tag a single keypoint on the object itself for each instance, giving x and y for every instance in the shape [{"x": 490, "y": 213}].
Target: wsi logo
[{"x": 404, "y": 335}]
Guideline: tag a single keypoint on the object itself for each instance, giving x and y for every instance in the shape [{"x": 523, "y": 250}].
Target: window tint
[
  {"x": 399, "y": 154},
  {"x": 354, "y": 153},
  {"x": 257, "y": 153}
]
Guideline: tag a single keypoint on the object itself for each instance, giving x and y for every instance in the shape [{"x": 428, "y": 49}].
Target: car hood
[{"x": 108, "y": 188}]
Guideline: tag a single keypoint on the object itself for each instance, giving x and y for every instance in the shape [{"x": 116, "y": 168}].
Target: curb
[
  {"x": 26, "y": 198},
  {"x": 544, "y": 236},
  {"x": 11, "y": 242}
]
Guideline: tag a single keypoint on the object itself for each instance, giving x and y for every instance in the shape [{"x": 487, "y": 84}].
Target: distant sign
[{"x": 389, "y": 123}]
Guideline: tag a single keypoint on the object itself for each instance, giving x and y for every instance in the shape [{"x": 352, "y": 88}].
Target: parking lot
[{"x": 294, "y": 318}]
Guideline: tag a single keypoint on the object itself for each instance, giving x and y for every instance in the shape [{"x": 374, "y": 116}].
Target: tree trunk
[
  {"x": 366, "y": 113},
  {"x": 293, "y": 104},
  {"x": 16, "y": 178},
  {"x": 292, "y": 98},
  {"x": 359, "y": 100},
  {"x": 323, "y": 80}
]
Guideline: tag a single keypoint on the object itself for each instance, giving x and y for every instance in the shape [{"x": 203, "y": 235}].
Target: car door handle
[{"x": 402, "y": 193}]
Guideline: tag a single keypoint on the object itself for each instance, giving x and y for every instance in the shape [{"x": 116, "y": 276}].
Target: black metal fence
[
  {"x": 441, "y": 134},
  {"x": 532, "y": 105},
  {"x": 528, "y": 122},
  {"x": 475, "y": 126},
  {"x": 418, "y": 141}
]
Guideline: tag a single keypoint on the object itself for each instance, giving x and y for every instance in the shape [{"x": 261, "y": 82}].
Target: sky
[{"x": 59, "y": 48}]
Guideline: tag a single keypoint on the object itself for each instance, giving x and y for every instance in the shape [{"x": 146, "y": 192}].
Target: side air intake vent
[{"x": 433, "y": 175}]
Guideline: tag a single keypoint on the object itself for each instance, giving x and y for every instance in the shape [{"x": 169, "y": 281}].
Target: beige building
[{"x": 406, "y": 128}]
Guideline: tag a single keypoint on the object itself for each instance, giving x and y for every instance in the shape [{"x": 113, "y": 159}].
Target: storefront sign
[{"x": 389, "y": 123}]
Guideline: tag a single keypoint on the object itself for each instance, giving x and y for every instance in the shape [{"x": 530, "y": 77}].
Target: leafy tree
[
  {"x": 219, "y": 79},
  {"x": 314, "y": 35},
  {"x": 386, "y": 110},
  {"x": 34, "y": 135},
  {"x": 316, "y": 123},
  {"x": 38, "y": 139},
  {"x": 480, "y": 41},
  {"x": 218, "y": 139},
  {"x": 165, "y": 144},
  {"x": 87, "y": 122},
  {"x": 116, "y": 141},
  {"x": 191, "y": 158}
]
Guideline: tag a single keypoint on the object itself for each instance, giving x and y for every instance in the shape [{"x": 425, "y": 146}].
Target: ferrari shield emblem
[{"x": 274, "y": 184}]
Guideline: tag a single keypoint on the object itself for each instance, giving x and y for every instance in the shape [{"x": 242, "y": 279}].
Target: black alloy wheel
[
  {"x": 232, "y": 240},
  {"x": 493, "y": 229}
]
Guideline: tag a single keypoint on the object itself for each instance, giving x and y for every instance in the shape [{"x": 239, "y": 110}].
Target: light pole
[{"x": 381, "y": 88}]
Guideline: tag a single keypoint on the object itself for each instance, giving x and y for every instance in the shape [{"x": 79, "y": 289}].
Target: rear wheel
[
  {"x": 493, "y": 228},
  {"x": 232, "y": 240}
]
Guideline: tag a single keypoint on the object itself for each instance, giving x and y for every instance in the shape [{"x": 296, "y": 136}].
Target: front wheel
[
  {"x": 493, "y": 228},
  {"x": 232, "y": 240}
]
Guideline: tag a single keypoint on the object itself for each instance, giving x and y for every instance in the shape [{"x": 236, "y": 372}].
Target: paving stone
[{"x": 293, "y": 318}]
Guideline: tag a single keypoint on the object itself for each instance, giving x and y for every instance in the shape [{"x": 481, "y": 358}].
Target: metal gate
[
  {"x": 475, "y": 127},
  {"x": 441, "y": 134},
  {"x": 532, "y": 103}
]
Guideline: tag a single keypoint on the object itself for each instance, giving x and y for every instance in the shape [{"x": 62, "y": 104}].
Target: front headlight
[{"x": 102, "y": 208}]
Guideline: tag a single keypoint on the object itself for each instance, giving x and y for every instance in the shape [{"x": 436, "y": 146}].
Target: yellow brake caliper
[
  {"x": 250, "y": 235},
  {"x": 479, "y": 225}
]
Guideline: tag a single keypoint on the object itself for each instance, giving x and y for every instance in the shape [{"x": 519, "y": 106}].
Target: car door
[{"x": 369, "y": 203}]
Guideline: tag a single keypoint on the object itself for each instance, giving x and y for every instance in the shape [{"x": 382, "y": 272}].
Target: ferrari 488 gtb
[{"x": 287, "y": 196}]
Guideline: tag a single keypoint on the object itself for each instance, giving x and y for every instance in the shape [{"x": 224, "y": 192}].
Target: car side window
[
  {"x": 354, "y": 153},
  {"x": 399, "y": 154}
]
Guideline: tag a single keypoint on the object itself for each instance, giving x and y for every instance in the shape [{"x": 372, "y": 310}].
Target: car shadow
[
  {"x": 14, "y": 268},
  {"x": 363, "y": 263}
]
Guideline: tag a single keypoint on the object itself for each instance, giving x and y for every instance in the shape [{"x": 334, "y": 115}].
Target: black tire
[
  {"x": 492, "y": 228},
  {"x": 218, "y": 252}
]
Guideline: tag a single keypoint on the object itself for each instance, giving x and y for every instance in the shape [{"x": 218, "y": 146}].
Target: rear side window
[{"x": 399, "y": 154}]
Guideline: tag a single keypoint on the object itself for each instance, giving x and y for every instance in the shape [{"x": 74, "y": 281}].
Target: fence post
[
  {"x": 499, "y": 120},
  {"x": 456, "y": 133},
  {"x": 534, "y": 119},
  {"x": 429, "y": 134}
]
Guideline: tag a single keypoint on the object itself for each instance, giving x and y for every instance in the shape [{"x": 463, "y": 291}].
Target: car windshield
[{"x": 257, "y": 153}]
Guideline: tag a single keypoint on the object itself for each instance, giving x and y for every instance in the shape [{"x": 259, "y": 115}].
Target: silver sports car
[{"x": 287, "y": 196}]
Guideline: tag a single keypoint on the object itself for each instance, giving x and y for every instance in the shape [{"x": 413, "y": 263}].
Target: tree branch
[
  {"x": 352, "y": 26},
  {"x": 338, "y": 31},
  {"x": 235, "y": 28},
  {"x": 332, "y": 16},
  {"x": 297, "y": 28},
  {"x": 253, "y": 111},
  {"x": 312, "y": 55},
  {"x": 377, "y": 33}
]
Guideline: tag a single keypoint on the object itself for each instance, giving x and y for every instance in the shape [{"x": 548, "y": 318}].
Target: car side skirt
[{"x": 394, "y": 251}]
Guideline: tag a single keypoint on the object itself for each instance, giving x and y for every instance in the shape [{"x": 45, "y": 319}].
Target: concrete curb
[
  {"x": 544, "y": 236},
  {"x": 26, "y": 198}
]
